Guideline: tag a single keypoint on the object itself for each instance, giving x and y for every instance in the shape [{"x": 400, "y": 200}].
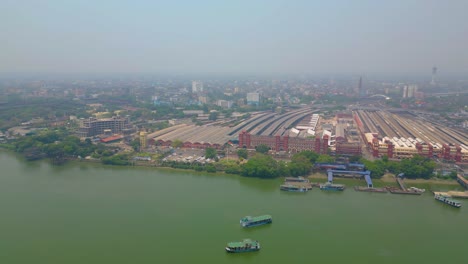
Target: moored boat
[
  {"x": 416, "y": 189},
  {"x": 293, "y": 188},
  {"x": 247, "y": 245},
  {"x": 447, "y": 200},
  {"x": 296, "y": 179},
  {"x": 249, "y": 221},
  {"x": 332, "y": 187}
]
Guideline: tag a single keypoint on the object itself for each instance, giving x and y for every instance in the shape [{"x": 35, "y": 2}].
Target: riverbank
[{"x": 388, "y": 180}]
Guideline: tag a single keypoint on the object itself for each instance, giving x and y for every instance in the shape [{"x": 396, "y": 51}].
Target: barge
[
  {"x": 293, "y": 188},
  {"x": 370, "y": 189},
  {"x": 296, "y": 179},
  {"x": 249, "y": 221},
  {"x": 332, "y": 187}
]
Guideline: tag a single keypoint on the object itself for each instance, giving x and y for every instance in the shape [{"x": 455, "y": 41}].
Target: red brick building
[{"x": 284, "y": 143}]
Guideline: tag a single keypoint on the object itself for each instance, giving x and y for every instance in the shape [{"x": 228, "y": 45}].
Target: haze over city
[{"x": 298, "y": 37}]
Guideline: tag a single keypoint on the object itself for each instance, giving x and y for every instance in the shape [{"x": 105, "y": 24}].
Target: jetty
[
  {"x": 403, "y": 189},
  {"x": 299, "y": 182},
  {"x": 463, "y": 182},
  {"x": 454, "y": 194}
]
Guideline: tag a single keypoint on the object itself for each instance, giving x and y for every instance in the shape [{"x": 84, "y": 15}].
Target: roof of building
[{"x": 111, "y": 138}]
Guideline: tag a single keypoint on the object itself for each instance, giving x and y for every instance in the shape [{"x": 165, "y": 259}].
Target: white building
[
  {"x": 197, "y": 86},
  {"x": 253, "y": 98}
]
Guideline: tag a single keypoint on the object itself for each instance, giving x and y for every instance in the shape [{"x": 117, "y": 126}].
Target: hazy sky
[{"x": 329, "y": 36}]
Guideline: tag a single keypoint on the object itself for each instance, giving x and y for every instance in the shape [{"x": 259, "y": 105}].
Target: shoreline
[{"x": 387, "y": 178}]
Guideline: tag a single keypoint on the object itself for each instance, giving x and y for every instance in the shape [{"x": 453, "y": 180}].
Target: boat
[
  {"x": 332, "y": 187},
  {"x": 296, "y": 179},
  {"x": 448, "y": 200},
  {"x": 370, "y": 189},
  {"x": 249, "y": 221},
  {"x": 395, "y": 190},
  {"x": 416, "y": 189},
  {"x": 247, "y": 245},
  {"x": 293, "y": 188}
]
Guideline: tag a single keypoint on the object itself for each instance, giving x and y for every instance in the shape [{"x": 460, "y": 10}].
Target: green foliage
[
  {"x": 324, "y": 158},
  {"x": 53, "y": 144},
  {"x": 417, "y": 167},
  {"x": 119, "y": 159},
  {"x": 210, "y": 168},
  {"x": 242, "y": 153},
  {"x": 309, "y": 155},
  {"x": 135, "y": 144},
  {"x": 261, "y": 166},
  {"x": 177, "y": 143},
  {"x": 210, "y": 153},
  {"x": 376, "y": 167},
  {"x": 262, "y": 148}
]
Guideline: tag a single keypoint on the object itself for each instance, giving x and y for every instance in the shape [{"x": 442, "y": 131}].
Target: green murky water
[{"x": 88, "y": 213}]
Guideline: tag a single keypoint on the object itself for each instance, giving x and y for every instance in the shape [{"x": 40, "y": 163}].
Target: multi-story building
[
  {"x": 91, "y": 127},
  {"x": 224, "y": 103},
  {"x": 197, "y": 86},
  {"x": 284, "y": 143},
  {"x": 253, "y": 98},
  {"x": 401, "y": 148}
]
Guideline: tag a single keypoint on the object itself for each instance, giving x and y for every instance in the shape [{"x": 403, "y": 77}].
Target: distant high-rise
[
  {"x": 359, "y": 90},
  {"x": 253, "y": 98},
  {"x": 434, "y": 72},
  {"x": 197, "y": 86}
]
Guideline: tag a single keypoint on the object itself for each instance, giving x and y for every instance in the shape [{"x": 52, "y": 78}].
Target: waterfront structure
[
  {"x": 253, "y": 98},
  {"x": 284, "y": 143},
  {"x": 296, "y": 179},
  {"x": 293, "y": 188},
  {"x": 92, "y": 127},
  {"x": 250, "y": 221}
]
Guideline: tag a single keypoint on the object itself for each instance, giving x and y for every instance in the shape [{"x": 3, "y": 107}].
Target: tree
[
  {"x": 262, "y": 148},
  {"x": 324, "y": 158},
  {"x": 307, "y": 154},
  {"x": 261, "y": 166},
  {"x": 242, "y": 153},
  {"x": 177, "y": 143},
  {"x": 210, "y": 153}
]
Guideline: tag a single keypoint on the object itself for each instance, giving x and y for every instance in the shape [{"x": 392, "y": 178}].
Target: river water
[{"x": 89, "y": 213}]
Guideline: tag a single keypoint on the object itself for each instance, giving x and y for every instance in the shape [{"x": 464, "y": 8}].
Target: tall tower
[
  {"x": 434, "y": 72},
  {"x": 143, "y": 140},
  {"x": 359, "y": 87}
]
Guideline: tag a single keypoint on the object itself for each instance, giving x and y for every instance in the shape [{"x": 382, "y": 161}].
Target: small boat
[
  {"x": 446, "y": 199},
  {"x": 249, "y": 221},
  {"x": 296, "y": 179},
  {"x": 247, "y": 245},
  {"x": 416, "y": 189},
  {"x": 332, "y": 187},
  {"x": 293, "y": 188}
]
